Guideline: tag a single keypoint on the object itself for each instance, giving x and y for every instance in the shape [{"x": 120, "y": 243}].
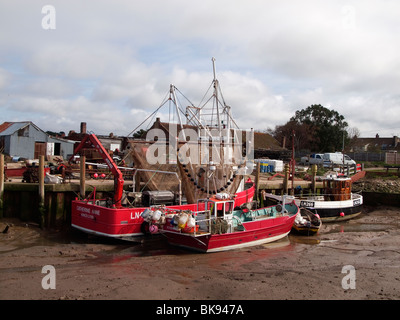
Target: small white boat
[{"x": 337, "y": 203}]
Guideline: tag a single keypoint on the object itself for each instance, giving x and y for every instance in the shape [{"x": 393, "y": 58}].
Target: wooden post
[
  {"x": 1, "y": 184},
  {"x": 257, "y": 178},
  {"x": 82, "y": 176},
  {"x": 313, "y": 178},
  {"x": 136, "y": 181},
  {"x": 262, "y": 196},
  {"x": 41, "y": 191},
  {"x": 286, "y": 179}
]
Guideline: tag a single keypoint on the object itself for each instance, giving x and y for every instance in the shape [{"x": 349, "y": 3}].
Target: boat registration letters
[
  {"x": 307, "y": 204},
  {"x": 135, "y": 215}
]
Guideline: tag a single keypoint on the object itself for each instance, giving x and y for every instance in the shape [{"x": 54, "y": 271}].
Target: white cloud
[{"x": 111, "y": 63}]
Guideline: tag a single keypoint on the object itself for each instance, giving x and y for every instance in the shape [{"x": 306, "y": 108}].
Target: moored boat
[
  {"x": 210, "y": 161},
  {"x": 336, "y": 203},
  {"x": 306, "y": 223},
  {"x": 217, "y": 225},
  {"x": 95, "y": 216}
]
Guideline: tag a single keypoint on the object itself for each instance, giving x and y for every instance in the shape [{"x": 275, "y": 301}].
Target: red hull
[
  {"x": 257, "y": 232},
  {"x": 124, "y": 222}
]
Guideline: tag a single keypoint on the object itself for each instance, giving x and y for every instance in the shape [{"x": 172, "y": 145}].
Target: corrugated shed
[
  {"x": 8, "y": 128},
  {"x": 4, "y": 126},
  {"x": 25, "y": 139}
]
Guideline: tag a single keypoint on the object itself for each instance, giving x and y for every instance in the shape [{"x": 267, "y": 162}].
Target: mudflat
[{"x": 357, "y": 259}]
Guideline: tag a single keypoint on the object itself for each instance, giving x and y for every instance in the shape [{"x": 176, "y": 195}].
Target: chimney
[
  {"x": 396, "y": 141},
  {"x": 83, "y": 127}
]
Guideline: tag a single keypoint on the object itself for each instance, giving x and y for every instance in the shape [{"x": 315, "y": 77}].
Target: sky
[{"x": 110, "y": 63}]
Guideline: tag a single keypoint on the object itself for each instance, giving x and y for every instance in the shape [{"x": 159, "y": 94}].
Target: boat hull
[
  {"x": 98, "y": 220},
  {"x": 257, "y": 233},
  {"x": 337, "y": 214},
  {"x": 307, "y": 223},
  {"x": 305, "y": 231},
  {"x": 329, "y": 211}
]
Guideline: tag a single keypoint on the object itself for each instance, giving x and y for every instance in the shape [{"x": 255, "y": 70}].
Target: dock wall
[{"x": 22, "y": 201}]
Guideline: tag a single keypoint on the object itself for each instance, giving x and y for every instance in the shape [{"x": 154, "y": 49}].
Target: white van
[{"x": 337, "y": 158}]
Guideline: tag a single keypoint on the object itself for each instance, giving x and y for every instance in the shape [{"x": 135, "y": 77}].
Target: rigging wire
[
  {"x": 185, "y": 97},
  {"x": 154, "y": 112}
]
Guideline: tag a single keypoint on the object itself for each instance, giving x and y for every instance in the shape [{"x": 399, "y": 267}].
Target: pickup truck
[{"x": 315, "y": 158}]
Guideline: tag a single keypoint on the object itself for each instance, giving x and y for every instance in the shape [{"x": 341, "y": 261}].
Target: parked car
[
  {"x": 315, "y": 158},
  {"x": 337, "y": 158}
]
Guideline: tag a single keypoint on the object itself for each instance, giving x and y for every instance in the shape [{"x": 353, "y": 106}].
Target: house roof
[
  {"x": 382, "y": 143},
  {"x": 8, "y": 128},
  {"x": 265, "y": 141}
]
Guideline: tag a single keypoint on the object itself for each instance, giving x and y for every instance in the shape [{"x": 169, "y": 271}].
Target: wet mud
[{"x": 297, "y": 267}]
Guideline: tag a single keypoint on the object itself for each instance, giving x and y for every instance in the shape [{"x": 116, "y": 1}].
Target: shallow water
[
  {"x": 22, "y": 236},
  {"x": 362, "y": 227}
]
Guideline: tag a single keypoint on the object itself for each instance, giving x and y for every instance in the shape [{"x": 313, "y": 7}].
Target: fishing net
[{"x": 197, "y": 180}]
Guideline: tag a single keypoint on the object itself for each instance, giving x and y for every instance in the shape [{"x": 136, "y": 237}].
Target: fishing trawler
[
  {"x": 217, "y": 225},
  {"x": 176, "y": 161}
]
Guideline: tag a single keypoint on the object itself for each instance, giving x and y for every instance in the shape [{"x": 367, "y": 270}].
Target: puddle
[
  {"x": 360, "y": 227},
  {"x": 343, "y": 227},
  {"x": 367, "y": 227},
  {"x": 157, "y": 246}
]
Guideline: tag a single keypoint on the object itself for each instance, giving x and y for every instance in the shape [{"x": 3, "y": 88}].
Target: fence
[
  {"x": 367, "y": 156},
  {"x": 387, "y": 157},
  {"x": 392, "y": 158}
]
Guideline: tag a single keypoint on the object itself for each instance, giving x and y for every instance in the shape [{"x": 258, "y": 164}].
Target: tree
[
  {"x": 302, "y": 135},
  {"x": 140, "y": 134},
  {"x": 353, "y": 134},
  {"x": 316, "y": 128}
]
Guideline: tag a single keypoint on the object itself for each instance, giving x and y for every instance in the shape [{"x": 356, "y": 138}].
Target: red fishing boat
[
  {"x": 109, "y": 217},
  {"x": 205, "y": 154},
  {"x": 94, "y": 217},
  {"x": 218, "y": 225}
]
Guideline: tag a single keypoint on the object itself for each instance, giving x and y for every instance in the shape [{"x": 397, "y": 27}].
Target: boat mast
[
  {"x": 293, "y": 161},
  {"x": 175, "y": 101},
  {"x": 215, "y": 81}
]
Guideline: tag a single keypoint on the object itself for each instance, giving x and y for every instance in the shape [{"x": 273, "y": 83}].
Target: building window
[{"x": 24, "y": 132}]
